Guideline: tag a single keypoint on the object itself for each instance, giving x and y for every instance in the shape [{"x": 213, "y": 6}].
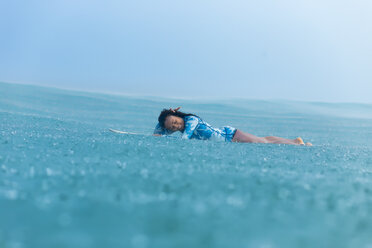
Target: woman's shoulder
[{"x": 191, "y": 118}]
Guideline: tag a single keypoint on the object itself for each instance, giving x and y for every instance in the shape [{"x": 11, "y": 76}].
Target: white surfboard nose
[{"x": 123, "y": 132}]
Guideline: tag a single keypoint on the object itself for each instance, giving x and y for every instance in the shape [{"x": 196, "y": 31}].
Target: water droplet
[
  {"x": 199, "y": 208},
  {"x": 139, "y": 241},
  {"x": 234, "y": 201},
  {"x": 32, "y": 171},
  {"x": 144, "y": 173},
  {"x": 49, "y": 172},
  {"x": 11, "y": 194},
  {"x": 65, "y": 219},
  {"x": 162, "y": 196}
]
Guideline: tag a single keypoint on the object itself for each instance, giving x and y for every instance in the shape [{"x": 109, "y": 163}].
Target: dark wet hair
[{"x": 166, "y": 112}]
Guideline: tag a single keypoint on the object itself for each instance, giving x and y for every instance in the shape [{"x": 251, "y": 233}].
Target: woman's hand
[{"x": 174, "y": 110}]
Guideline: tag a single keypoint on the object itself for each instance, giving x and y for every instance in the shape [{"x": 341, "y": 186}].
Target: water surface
[{"x": 66, "y": 181}]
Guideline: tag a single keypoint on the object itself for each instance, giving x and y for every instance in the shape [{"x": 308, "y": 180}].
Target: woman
[{"x": 193, "y": 127}]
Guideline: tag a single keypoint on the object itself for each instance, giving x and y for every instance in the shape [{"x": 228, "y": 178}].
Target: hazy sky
[{"x": 302, "y": 50}]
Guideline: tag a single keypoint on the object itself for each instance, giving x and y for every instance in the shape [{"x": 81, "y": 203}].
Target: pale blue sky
[{"x": 300, "y": 50}]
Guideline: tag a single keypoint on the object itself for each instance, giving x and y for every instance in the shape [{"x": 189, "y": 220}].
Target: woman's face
[{"x": 174, "y": 123}]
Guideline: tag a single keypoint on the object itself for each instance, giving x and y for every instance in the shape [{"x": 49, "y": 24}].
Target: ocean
[{"x": 67, "y": 181}]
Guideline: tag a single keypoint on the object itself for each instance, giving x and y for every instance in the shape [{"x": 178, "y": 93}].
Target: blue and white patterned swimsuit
[{"x": 196, "y": 128}]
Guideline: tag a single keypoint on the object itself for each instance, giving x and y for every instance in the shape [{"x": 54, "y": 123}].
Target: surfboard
[
  {"x": 123, "y": 132},
  {"x": 142, "y": 134}
]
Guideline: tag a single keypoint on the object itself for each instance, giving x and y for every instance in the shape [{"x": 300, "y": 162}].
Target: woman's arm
[
  {"x": 159, "y": 131},
  {"x": 191, "y": 124}
]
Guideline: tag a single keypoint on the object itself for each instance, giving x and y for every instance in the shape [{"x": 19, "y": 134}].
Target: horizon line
[{"x": 175, "y": 98}]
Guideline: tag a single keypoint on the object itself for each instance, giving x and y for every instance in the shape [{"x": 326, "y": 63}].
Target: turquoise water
[{"x": 66, "y": 181}]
